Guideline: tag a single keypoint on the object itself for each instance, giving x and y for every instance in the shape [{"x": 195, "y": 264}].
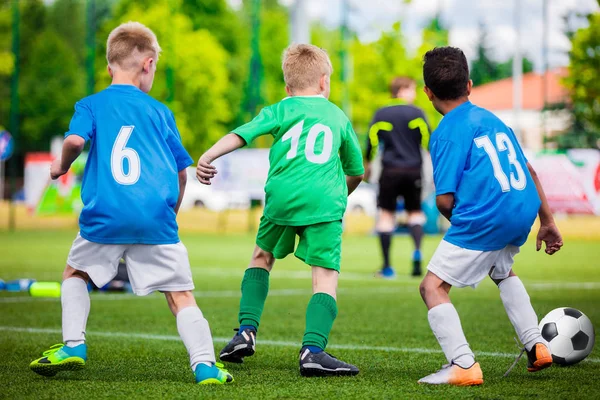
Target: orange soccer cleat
[
  {"x": 538, "y": 358},
  {"x": 452, "y": 374}
]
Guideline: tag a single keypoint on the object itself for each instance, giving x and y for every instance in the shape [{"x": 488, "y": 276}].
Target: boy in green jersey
[{"x": 315, "y": 163}]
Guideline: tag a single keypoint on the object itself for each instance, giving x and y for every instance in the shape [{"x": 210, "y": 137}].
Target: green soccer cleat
[
  {"x": 60, "y": 358},
  {"x": 213, "y": 375}
]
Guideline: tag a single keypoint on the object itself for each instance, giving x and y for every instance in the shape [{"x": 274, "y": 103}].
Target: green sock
[
  {"x": 320, "y": 314},
  {"x": 255, "y": 287}
]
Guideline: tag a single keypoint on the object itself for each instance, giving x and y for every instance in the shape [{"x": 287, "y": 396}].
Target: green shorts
[{"x": 319, "y": 245}]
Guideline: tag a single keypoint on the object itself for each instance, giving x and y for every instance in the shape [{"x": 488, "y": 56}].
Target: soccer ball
[{"x": 570, "y": 334}]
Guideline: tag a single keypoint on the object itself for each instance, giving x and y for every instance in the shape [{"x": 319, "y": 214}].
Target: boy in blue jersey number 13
[
  {"x": 491, "y": 195},
  {"x": 133, "y": 183}
]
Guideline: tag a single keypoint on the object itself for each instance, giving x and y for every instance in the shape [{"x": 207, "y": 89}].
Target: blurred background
[{"x": 534, "y": 63}]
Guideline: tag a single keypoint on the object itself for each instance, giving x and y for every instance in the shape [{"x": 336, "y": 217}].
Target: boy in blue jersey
[
  {"x": 491, "y": 195},
  {"x": 132, "y": 187}
]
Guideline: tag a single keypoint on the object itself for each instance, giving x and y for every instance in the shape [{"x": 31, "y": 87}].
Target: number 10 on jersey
[{"x": 309, "y": 150}]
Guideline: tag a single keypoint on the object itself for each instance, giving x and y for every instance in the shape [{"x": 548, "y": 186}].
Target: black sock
[
  {"x": 416, "y": 232},
  {"x": 386, "y": 240}
]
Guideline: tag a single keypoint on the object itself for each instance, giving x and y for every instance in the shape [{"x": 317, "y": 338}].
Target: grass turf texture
[{"x": 373, "y": 313}]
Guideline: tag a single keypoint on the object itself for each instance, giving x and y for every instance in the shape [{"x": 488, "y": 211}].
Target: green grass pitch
[{"x": 382, "y": 327}]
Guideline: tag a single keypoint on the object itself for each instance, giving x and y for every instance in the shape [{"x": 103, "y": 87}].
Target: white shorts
[
  {"x": 463, "y": 267},
  {"x": 163, "y": 267}
]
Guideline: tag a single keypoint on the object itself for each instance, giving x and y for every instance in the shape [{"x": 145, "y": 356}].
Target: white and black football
[{"x": 570, "y": 334}]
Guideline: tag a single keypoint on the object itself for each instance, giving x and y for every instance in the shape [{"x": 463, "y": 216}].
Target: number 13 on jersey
[{"x": 518, "y": 179}]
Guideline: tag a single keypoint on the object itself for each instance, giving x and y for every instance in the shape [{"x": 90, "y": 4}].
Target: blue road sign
[{"x": 7, "y": 145}]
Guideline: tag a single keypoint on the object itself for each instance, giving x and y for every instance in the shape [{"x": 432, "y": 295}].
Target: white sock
[
  {"x": 195, "y": 333},
  {"x": 520, "y": 312},
  {"x": 445, "y": 324},
  {"x": 75, "y": 301}
]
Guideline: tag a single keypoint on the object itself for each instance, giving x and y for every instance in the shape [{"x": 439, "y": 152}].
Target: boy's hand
[
  {"x": 550, "y": 235},
  {"x": 56, "y": 170},
  {"x": 205, "y": 171}
]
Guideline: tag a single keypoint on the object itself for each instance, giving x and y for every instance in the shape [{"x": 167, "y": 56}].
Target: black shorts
[{"x": 394, "y": 183}]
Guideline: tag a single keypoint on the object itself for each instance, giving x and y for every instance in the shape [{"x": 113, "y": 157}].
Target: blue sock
[
  {"x": 417, "y": 255},
  {"x": 313, "y": 349},
  {"x": 243, "y": 327},
  {"x": 77, "y": 351}
]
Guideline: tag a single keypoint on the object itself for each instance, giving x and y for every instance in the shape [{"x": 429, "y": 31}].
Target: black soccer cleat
[
  {"x": 242, "y": 345},
  {"x": 416, "y": 268},
  {"x": 323, "y": 364}
]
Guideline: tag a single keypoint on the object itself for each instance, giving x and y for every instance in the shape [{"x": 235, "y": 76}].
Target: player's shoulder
[
  {"x": 162, "y": 108},
  {"x": 395, "y": 111},
  {"x": 326, "y": 107}
]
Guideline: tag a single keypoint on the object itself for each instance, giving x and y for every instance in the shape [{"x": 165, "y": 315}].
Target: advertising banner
[{"x": 571, "y": 180}]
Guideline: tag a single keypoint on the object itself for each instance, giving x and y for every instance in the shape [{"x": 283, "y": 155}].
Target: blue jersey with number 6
[
  {"x": 478, "y": 158},
  {"x": 130, "y": 184}
]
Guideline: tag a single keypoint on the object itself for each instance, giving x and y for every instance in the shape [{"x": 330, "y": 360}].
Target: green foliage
[
  {"x": 206, "y": 52},
  {"x": 484, "y": 69},
  {"x": 584, "y": 87},
  {"x": 200, "y": 71},
  {"x": 51, "y": 83},
  {"x": 376, "y": 64}
]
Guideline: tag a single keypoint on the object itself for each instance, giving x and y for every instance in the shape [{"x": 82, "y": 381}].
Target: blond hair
[
  {"x": 304, "y": 65},
  {"x": 128, "y": 43}
]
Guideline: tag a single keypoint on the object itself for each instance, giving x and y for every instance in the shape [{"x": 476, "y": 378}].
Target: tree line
[{"x": 203, "y": 71}]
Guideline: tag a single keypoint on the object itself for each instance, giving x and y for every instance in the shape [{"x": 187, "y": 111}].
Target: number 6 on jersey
[{"x": 119, "y": 154}]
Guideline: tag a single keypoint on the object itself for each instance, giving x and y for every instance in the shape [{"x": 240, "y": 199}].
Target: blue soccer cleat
[
  {"x": 213, "y": 375},
  {"x": 386, "y": 273}
]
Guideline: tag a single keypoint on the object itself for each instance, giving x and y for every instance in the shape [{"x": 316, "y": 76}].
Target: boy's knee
[
  {"x": 180, "y": 300},
  {"x": 429, "y": 287},
  {"x": 423, "y": 290},
  {"x": 262, "y": 259},
  {"x": 325, "y": 281},
  {"x": 71, "y": 272}
]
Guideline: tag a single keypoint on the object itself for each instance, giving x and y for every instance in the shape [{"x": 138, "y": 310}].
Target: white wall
[{"x": 531, "y": 125}]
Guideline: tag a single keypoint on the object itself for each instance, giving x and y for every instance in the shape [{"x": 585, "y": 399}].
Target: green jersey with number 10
[{"x": 314, "y": 148}]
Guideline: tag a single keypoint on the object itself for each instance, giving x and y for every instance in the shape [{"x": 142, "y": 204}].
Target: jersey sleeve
[
  {"x": 182, "y": 157},
  {"x": 82, "y": 124},
  {"x": 373, "y": 137},
  {"x": 264, "y": 123},
  {"x": 448, "y": 160},
  {"x": 350, "y": 153},
  {"x": 420, "y": 123}
]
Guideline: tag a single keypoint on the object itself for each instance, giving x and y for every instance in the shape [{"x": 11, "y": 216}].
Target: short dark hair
[
  {"x": 401, "y": 82},
  {"x": 446, "y": 72}
]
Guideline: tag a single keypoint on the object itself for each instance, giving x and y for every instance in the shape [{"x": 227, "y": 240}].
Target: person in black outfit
[{"x": 399, "y": 131}]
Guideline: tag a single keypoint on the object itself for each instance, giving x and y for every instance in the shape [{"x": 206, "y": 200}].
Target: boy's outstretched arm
[
  {"x": 353, "y": 182},
  {"x": 72, "y": 148},
  {"x": 228, "y": 143},
  {"x": 548, "y": 232}
]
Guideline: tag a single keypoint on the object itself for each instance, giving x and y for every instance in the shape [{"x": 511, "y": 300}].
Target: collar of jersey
[
  {"x": 457, "y": 109},
  {"x": 124, "y": 86},
  {"x": 304, "y": 97}
]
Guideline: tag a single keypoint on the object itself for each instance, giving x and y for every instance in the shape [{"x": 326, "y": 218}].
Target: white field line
[
  {"x": 275, "y": 343},
  {"x": 235, "y": 294},
  {"x": 563, "y": 285}
]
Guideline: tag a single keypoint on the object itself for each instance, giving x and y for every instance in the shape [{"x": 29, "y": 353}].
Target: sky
[{"x": 462, "y": 17}]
